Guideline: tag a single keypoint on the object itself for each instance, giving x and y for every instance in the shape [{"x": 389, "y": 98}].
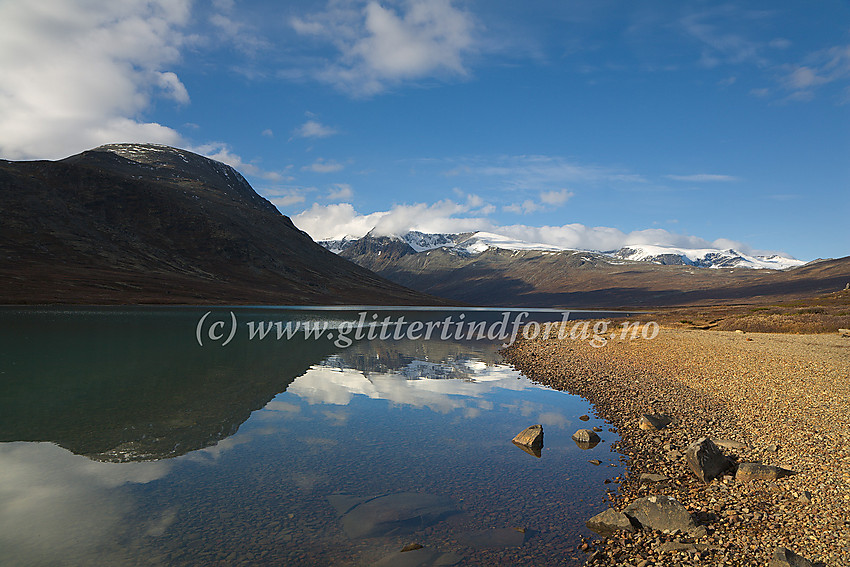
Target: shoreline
[{"x": 785, "y": 397}]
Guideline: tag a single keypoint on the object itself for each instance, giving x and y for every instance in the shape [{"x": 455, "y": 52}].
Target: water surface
[{"x": 123, "y": 441}]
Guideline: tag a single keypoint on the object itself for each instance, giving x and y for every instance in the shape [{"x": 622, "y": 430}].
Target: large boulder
[
  {"x": 783, "y": 557},
  {"x": 531, "y": 436},
  {"x": 607, "y": 522},
  {"x": 530, "y": 440},
  {"x": 707, "y": 460},
  {"x": 731, "y": 445},
  {"x": 654, "y": 421},
  {"x": 662, "y": 513},
  {"x": 756, "y": 471},
  {"x": 586, "y": 439}
]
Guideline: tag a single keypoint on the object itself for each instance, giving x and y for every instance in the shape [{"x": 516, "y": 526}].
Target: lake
[{"x": 229, "y": 436}]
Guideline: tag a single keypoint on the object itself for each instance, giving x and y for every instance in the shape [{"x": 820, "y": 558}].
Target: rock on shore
[{"x": 775, "y": 401}]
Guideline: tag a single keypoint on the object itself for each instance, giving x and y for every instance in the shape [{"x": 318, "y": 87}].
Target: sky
[{"x": 586, "y": 124}]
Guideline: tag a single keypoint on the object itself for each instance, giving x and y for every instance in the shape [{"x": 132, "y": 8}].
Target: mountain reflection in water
[{"x": 124, "y": 442}]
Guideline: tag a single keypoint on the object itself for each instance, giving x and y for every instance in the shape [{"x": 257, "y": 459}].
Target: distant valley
[{"x": 490, "y": 269}]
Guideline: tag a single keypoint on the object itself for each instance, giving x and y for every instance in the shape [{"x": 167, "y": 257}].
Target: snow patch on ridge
[
  {"x": 478, "y": 242},
  {"x": 703, "y": 257}
]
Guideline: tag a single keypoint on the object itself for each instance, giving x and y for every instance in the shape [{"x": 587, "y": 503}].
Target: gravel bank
[{"x": 787, "y": 397}]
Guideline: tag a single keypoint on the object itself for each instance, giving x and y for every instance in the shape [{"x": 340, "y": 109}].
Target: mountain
[
  {"x": 145, "y": 223},
  {"x": 704, "y": 258},
  {"x": 478, "y": 242},
  {"x": 487, "y": 269}
]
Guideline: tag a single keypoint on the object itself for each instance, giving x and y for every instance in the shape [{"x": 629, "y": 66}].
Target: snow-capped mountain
[
  {"x": 470, "y": 244},
  {"x": 703, "y": 257},
  {"x": 478, "y": 242},
  {"x": 418, "y": 241}
]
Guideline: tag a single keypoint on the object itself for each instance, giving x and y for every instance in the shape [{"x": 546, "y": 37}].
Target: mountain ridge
[
  {"x": 480, "y": 241},
  {"x": 582, "y": 279},
  {"x": 144, "y": 223}
]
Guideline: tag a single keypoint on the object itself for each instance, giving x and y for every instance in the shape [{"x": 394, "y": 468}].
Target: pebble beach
[{"x": 775, "y": 399}]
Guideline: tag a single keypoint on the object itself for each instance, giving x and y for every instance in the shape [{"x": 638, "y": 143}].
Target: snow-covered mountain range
[{"x": 473, "y": 243}]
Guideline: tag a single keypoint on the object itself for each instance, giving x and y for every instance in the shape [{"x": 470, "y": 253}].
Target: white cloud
[
  {"x": 268, "y": 133},
  {"x": 77, "y": 74},
  {"x": 526, "y": 207},
  {"x": 169, "y": 83},
  {"x": 285, "y": 197},
  {"x": 703, "y": 177},
  {"x": 340, "y": 191},
  {"x": 380, "y": 46},
  {"x": 323, "y": 166},
  {"x": 818, "y": 69},
  {"x": 338, "y": 220},
  {"x": 313, "y": 129},
  {"x": 334, "y": 221},
  {"x": 555, "y": 198},
  {"x": 221, "y": 152},
  {"x": 540, "y": 172},
  {"x": 287, "y": 200}
]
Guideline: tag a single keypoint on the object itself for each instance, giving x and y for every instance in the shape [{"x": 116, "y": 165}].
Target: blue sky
[{"x": 584, "y": 124}]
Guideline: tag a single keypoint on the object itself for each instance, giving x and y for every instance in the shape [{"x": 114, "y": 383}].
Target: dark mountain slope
[{"x": 134, "y": 223}]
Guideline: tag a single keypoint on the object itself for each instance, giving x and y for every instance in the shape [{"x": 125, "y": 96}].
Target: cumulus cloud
[
  {"x": 323, "y": 166},
  {"x": 555, "y": 198},
  {"x": 381, "y": 45},
  {"x": 323, "y": 222},
  {"x": 313, "y": 129},
  {"x": 338, "y": 220},
  {"x": 340, "y": 191},
  {"x": 548, "y": 199},
  {"x": 222, "y": 152},
  {"x": 77, "y": 74},
  {"x": 526, "y": 207},
  {"x": 287, "y": 196}
]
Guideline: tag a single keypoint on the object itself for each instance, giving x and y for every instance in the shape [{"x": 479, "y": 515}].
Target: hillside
[{"x": 143, "y": 223}]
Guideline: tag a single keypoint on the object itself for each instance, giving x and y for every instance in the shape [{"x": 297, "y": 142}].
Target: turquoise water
[{"x": 123, "y": 441}]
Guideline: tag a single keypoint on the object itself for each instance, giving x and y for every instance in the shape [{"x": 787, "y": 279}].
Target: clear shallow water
[{"x": 125, "y": 442}]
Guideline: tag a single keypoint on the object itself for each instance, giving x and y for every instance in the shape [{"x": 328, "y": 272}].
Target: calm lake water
[{"x": 141, "y": 437}]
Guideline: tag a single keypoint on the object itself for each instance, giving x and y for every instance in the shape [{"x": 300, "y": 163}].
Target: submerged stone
[
  {"x": 607, "y": 522},
  {"x": 586, "y": 439},
  {"x": 391, "y": 514}
]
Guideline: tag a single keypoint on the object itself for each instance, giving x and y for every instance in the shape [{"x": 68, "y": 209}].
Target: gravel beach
[{"x": 784, "y": 398}]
